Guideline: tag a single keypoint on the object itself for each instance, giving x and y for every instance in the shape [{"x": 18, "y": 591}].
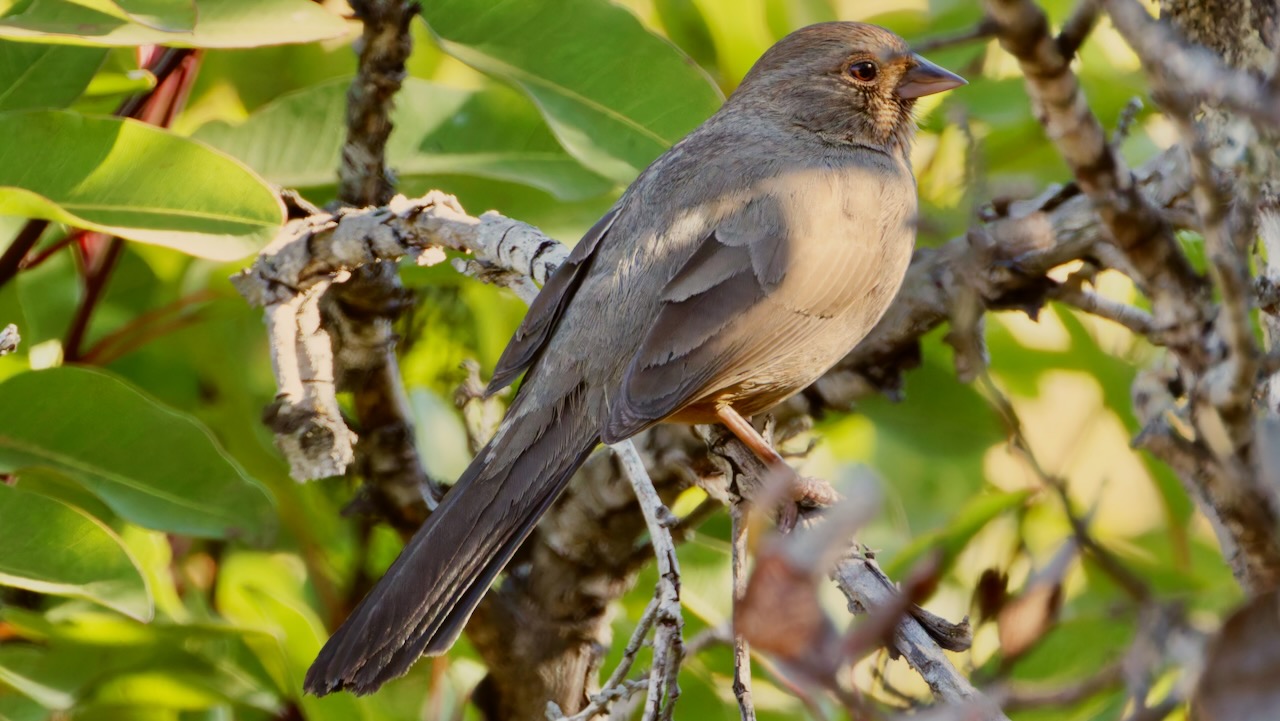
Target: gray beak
[{"x": 926, "y": 79}]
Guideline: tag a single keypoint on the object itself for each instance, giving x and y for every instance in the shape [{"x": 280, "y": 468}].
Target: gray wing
[
  {"x": 545, "y": 312},
  {"x": 761, "y": 296}
]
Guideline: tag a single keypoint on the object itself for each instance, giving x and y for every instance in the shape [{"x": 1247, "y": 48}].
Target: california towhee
[{"x": 737, "y": 269}]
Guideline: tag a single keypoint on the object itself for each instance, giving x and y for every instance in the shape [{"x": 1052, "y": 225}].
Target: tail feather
[{"x": 422, "y": 603}]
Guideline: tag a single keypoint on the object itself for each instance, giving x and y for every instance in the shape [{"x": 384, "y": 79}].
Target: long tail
[{"x": 422, "y": 603}]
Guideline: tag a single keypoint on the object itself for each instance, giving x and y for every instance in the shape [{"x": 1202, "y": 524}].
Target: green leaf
[
  {"x": 58, "y": 549},
  {"x": 615, "y": 95},
  {"x": 296, "y": 141},
  {"x": 151, "y": 465},
  {"x": 265, "y": 591},
  {"x": 20, "y": 708},
  {"x": 167, "y": 15},
  {"x": 16, "y": 664},
  {"x": 133, "y": 180},
  {"x": 951, "y": 539},
  {"x": 87, "y": 658},
  {"x": 44, "y": 76},
  {"x": 218, "y": 23}
]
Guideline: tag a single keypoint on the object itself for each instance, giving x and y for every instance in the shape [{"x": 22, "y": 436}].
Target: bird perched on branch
[{"x": 737, "y": 269}]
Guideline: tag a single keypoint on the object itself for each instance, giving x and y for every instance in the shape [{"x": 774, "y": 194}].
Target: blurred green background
[{"x": 238, "y": 563}]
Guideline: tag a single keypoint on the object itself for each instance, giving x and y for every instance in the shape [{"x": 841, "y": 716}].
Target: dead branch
[{"x": 358, "y": 313}]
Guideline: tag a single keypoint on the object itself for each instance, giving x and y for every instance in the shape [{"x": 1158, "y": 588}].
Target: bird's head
[{"x": 847, "y": 82}]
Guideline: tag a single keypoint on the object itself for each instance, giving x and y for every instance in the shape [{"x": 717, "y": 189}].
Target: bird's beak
[{"x": 926, "y": 79}]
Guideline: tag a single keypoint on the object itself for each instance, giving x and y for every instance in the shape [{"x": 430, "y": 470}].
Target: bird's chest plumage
[{"x": 830, "y": 268}]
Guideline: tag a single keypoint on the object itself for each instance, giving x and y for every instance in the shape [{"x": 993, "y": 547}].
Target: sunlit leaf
[
  {"x": 218, "y": 23},
  {"x": 266, "y": 592},
  {"x": 58, "y": 549},
  {"x": 296, "y": 141},
  {"x": 151, "y": 465},
  {"x": 615, "y": 102},
  {"x": 167, "y": 15},
  {"x": 14, "y": 707},
  {"x": 133, "y": 180},
  {"x": 89, "y": 658},
  {"x": 44, "y": 76}
]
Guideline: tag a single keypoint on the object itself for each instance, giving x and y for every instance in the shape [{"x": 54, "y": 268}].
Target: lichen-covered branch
[
  {"x": 359, "y": 312},
  {"x": 290, "y": 278}
]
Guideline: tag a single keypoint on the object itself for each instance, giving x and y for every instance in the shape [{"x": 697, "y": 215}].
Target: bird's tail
[{"x": 422, "y": 603}]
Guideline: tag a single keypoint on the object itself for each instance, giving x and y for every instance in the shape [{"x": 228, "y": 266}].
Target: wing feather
[
  {"x": 547, "y": 308},
  {"x": 775, "y": 293}
]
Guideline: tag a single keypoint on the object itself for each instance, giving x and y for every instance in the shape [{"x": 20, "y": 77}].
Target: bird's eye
[{"x": 863, "y": 70}]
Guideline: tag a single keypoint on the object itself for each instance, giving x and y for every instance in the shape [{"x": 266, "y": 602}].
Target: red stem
[
  {"x": 95, "y": 285},
  {"x": 33, "y": 261},
  {"x": 144, "y": 328},
  {"x": 26, "y": 239}
]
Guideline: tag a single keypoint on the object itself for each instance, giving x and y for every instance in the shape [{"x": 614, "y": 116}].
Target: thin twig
[
  {"x": 668, "y": 640},
  {"x": 616, "y": 686},
  {"x": 1132, "y": 317},
  {"x": 741, "y": 648}
]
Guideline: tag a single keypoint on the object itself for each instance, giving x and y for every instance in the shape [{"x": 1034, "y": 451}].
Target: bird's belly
[
  {"x": 767, "y": 387},
  {"x": 790, "y": 370}
]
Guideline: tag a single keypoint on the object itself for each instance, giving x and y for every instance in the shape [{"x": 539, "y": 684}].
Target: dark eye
[{"x": 863, "y": 70}]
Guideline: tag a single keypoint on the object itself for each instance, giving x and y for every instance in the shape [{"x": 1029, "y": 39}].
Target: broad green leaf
[
  {"x": 218, "y": 23},
  {"x": 296, "y": 141},
  {"x": 266, "y": 592},
  {"x": 51, "y": 547},
  {"x": 44, "y": 76},
  {"x": 87, "y": 657},
  {"x": 133, "y": 180},
  {"x": 151, "y": 465},
  {"x": 951, "y": 539},
  {"x": 168, "y": 15},
  {"x": 616, "y": 95},
  {"x": 14, "y": 707},
  {"x": 17, "y": 663}
]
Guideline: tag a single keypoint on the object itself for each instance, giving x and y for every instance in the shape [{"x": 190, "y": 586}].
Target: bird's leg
[
  {"x": 801, "y": 489},
  {"x": 750, "y": 437}
]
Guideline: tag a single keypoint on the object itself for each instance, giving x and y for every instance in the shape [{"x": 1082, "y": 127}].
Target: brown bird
[{"x": 737, "y": 269}]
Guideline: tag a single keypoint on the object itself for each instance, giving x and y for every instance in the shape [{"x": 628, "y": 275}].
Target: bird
[{"x": 733, "y": 272}]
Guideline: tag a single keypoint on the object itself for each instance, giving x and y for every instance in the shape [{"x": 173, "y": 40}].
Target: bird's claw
[{"x": 806, "y": 492}]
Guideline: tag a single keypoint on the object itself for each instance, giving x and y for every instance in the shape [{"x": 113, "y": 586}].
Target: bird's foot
[{"x": 805, "y": 492}]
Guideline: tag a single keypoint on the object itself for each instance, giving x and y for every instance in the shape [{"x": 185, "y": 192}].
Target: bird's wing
[
  {"x": 546, "y": 309},
  {"x": 792, "y": 263}
]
